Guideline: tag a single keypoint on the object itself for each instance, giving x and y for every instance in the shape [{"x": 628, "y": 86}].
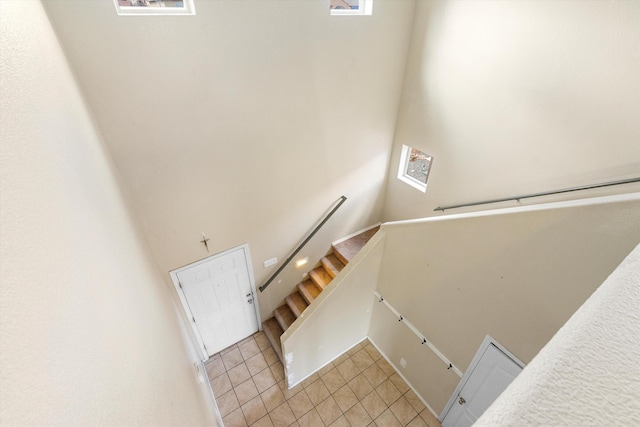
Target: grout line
[{"x": 356, "y": 349}]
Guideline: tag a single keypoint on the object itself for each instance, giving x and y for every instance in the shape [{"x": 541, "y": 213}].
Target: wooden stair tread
[
  {"x": 284, "y": 316},
  {"x": 309, "y": 290},
  {"x": 296, "y": 303},
  {"x": 347, "y": 250},
  {"x": 272, "y": 330},
  {"x": 332, "y": 264},
  {"x": 320, "y": 277}
]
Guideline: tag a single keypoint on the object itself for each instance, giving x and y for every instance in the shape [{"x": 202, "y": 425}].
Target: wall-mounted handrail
[
  {"x": 545, "y": 193},
  {"x": 423, "y": 339},
  {"x": 340, "y": 201}
]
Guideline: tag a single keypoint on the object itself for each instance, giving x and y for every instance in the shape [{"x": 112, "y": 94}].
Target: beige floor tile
[
  {"x": 362, "y": 359},
  {"x": 345, "y": 398},
  {"x": 310, "y": 380},
  {"x": 263, "y": 342},
  {"x": 373, "y": 352},
  {"x": 388, "y": 392},
  {"x": 228, "y": 349},
  {"x": 256, "y": 364},
  {"x": 348, "y": 369},
  {"x": 247, "y": 339},
  {"x": 227, "y": 403},
  {"x": 399, "y": 383},
  {"x": 341, "y": 422},
  {"x": 246, "y": 391},
  {"x": 289, "y": 393},
  {"x": 333, "y": 380},
  {"x": 353, "y": 350},
  {"x": 254, "y": 410},
  {"x": 282, "y": 416},
  {"x": 235, "y": 419},
  {"x": 239, "y": 374},
  {"x": 270, "y": 356},
  {"x": 249, "y": 349},
  {"x": 415, "y": 401},
  {"x": 387, "y": 419},
  {"x": 326, "y": 368},
  {"x": 277, "y": 370},
  {"x": 300, "y": 404},
  {"x": 403, "y": 410},
  {"x": 338, "y": 360},
  {"x": 262, "y": 422},
  {"x": 232, "y": 359},
  {"x": 317, "y": 392},
  {"x": 373, "y": 404},
  {"x": 429, "y": 418},
  {"x": 417, "y": 422},
  {"x": 215, "y": 367},
  {"x": 374, "y": 375},
  {"x": 264, "y": 380},
  {"x": 220, "y": 385},
  {"x": 329, "y": 410},
  {"x": 386, "y": 367},
  {"x": 272, "y": 397},
  {"x": 311, "y": 419},
  {"x": 360, "y": 386},
  {"x": 358, "y": 416}
]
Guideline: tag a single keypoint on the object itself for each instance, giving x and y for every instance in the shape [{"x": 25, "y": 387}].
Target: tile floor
[{"x": 359, "y": 388}]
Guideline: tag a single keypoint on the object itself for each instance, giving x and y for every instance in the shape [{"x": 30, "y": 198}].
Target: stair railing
[
  {"x": 545, "y": 193},
  {"x": 337, "y": 204}
]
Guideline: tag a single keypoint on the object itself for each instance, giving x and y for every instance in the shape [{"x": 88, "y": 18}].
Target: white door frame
[
  {"x": 474, "y": 362},
  {"x": 176, "y": 283}
]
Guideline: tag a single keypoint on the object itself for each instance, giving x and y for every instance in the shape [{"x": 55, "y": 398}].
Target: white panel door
[
  {"x": 219, "y": 295},
  {"x": 493, "y": 373}
]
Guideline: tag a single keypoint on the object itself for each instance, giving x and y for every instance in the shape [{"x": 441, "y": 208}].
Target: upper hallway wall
[
  {"x": 89, "y": 334},
  {"x": 245, "y": 121},
  {"x": 515, "y": 274},
  {"x": 518, "y": 97}
]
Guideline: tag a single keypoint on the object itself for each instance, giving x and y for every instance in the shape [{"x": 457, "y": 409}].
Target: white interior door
[
  {"x": 218, "y": 294},
  {"x": 488, "y": 378}
]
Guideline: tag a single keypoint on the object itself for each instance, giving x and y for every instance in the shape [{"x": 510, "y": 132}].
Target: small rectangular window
[
  {"x": 155, "y": 7},
  {"x": 351, "y": 7},
  {"x": 414, "y": 167}
]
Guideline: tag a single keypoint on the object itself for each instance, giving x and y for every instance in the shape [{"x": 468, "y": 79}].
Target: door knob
[
  {"x": 250, "y": 300},
  {"x": 462, "y": 401}
]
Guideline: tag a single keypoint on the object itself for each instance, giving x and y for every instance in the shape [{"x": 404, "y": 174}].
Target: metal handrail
[
  {"x": 546, "y": 193},
  {"x": 342, "y": 199}
]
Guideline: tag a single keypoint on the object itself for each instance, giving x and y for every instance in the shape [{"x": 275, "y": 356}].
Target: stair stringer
[{"x": 337, "y": 319}]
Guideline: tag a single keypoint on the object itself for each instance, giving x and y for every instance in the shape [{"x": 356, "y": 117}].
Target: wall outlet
[
  {"x": 403, "y": 363},
  {"x": 270, "y": 262}
]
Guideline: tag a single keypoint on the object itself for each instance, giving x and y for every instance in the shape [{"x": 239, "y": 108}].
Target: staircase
[{"x": 308, "y": 290}]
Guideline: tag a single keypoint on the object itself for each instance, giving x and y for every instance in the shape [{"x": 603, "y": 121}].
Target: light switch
[{"x": 270, "y": 262}]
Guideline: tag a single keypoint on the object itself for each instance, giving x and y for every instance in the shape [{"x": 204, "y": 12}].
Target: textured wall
[
  {"x": 588, "y": 374},
  {"x": 88, "y": 331},
  {"x": 518, "y": 97}
]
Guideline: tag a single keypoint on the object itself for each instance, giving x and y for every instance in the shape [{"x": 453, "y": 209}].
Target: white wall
[
  {"x": 515, "y": 274},
  {"x": 88, "y": 331},
  {"x": 518, "y": 97},
  {"x": 588, "y": 373},
  {"x": 245, "y": 121}
]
